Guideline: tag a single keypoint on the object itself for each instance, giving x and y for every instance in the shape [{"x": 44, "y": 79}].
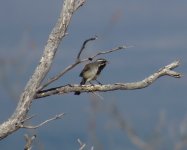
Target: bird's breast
[{"x": 90, "y": 74}]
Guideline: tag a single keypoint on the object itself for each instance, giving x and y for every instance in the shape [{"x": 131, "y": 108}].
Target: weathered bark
[
  {"x": 58, "y": 32},
  {"x": 167, "y": 70},
  {"x": 34, "y": 89}
]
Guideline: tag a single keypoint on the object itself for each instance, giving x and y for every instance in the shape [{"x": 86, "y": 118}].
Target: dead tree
[{"x": 35, "y": 87}]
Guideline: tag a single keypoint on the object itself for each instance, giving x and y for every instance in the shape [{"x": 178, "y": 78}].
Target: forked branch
[
  {"x": 84, "y": 45},
  {"x": 78, "y": 61},
  {"x": 29, "y": 140},
  {"x": 59, "y": 31},
  {"x": 131, "y": 133},
  {"x": 83, "y": 145},
  {"x": 42, "y": 123},
  {"x": 167, "y": 70}
]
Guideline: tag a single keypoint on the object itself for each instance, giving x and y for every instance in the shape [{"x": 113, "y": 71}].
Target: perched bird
[{"x": 91, "y": 71}]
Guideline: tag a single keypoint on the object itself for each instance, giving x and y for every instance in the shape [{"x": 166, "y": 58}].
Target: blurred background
[{"x": 153, "y": 117}]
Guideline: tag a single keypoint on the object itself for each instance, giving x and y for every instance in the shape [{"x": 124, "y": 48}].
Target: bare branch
[
  {"x": 27, "y": 118},
  {"x": 83, "y": 46},
  {"x": 110, "y": 51},
  {"x": 78, "y": 61},
  {"x": 58, "y": 32},
  {"x": 43, "y": 123},
  {"x": 58, "y": 76},
  {"x": 117, "y": 86},
  {"x": 78, "y": 4},
  {"x": 82, "y": 145},
  {"x": 29, "y": 141},
  {"x": 135, "y": 139}
]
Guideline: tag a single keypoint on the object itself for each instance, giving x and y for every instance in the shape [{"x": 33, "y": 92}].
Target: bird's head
[{"x": 101, "y": 61}]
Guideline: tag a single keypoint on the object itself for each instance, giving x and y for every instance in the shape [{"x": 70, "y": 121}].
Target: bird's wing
[
  {"x": 86, "y": 68},
  {"x": 100, "y": 69}
]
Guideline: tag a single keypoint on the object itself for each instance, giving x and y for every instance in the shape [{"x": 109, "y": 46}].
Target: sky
[{"x": 157, "y": 30}]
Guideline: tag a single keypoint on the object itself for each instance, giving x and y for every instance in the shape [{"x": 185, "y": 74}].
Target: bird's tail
[
  {"x": 82, "y": 83},
  {"x": 77, "y": 93}
]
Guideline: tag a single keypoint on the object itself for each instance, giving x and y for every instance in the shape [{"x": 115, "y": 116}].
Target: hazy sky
[{"x": 156, "y": 28}]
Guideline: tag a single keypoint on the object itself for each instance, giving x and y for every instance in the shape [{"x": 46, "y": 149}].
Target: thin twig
[
  {"x": 101, "y": 52},
  {"x": 111, "y": 50},
  {"x": 44, "y": 122},
  {"x": 84, "y": 45},
  {"x": 58, "y": 32},
  {"x": 29, "y": 141},
  {"x": 78, "y": 61},
  {"x": 28, "y": 118},
  {"x": 167, "y": 70},
  {"x": 82, "y": 145},
  {"x": 58, "y": 75},
  {"x": 135, "y": 139},
  {"x": 78, "y": 4}
]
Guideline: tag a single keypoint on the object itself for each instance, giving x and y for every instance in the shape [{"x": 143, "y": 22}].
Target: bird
[{"x": 91, "y": 71}]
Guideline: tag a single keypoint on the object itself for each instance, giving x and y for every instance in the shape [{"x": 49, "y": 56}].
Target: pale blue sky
[{"x": 158, "y": 31}]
